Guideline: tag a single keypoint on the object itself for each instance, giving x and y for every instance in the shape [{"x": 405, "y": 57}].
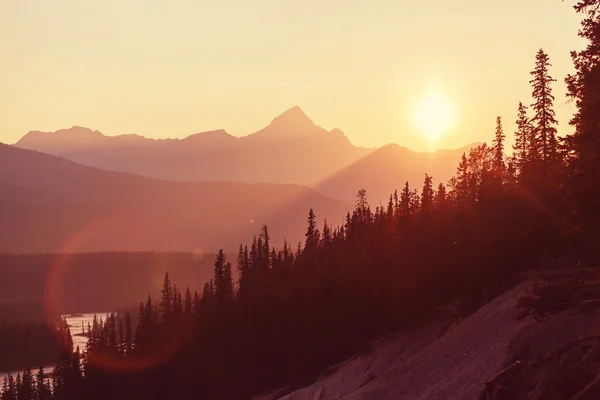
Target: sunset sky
[{"x": 172, "y": 68}]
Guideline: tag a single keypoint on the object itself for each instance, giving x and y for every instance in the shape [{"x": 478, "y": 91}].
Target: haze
[{"x": 161, "y": 70}]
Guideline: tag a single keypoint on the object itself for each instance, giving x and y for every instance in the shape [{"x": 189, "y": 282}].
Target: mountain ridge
[
  {"x": 50, "y": 204},
  {"x": 276, "y": 153}
]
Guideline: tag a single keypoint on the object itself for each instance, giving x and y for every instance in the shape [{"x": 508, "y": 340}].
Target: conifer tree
[
  {"x": 219, "y": 275},
  {"x": 311, "y": 232},
  {"x": 167, "y": 298},
  {"x": 414, "y": 201},
  {"x": 584, "y": 144},
  {"x": 440, "y": 197},
  {"x": 499, "y": 146},
  {"x": 327, "y": 236},
  {"x": 523, "y": 138},
  {"x": 42, "y": 391},
  {"x": 362, "y": 205},
  {"x": 27, "y": 389},
  {"x": 227, "y": 289},
  {"x": 427, "y": 194},
  {"x": 544, "y": 121},
  {"x": 405, "y": 200},
  {"x": 462, "y": 182},
  {"x": 266, "y": 246}
]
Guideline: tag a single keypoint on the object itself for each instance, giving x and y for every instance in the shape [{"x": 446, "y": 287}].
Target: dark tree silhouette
[
  {"x": 499, "y": 164},
  {"x": 584, "y": 144},
  {"x": 544, "y": 121}
]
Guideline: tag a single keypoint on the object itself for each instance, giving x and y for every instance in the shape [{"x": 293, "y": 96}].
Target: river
[{"x": 75, "y": 322}]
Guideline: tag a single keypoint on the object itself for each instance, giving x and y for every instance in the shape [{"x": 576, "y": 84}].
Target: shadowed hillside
[
  {"x": 97, "y": 282},
  {"x": 53, "y": 205},
  {"x": 387, "y": 169}
]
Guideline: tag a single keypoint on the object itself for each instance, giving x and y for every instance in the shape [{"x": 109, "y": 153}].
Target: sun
[{"x": 434, "y": 115}]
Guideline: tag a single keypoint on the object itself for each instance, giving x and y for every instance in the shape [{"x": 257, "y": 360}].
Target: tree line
[
  {"x": 29, "y": 337},
  {"x": 298, "y": 309}
]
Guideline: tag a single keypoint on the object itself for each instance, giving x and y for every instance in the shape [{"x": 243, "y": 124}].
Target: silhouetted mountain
[
  {"x": 275, "y": 154},
  {"x": 48, "y": 204},
  {"x": 388, "y": 168}
]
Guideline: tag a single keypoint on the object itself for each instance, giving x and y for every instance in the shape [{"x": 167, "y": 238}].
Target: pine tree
[
  {"x": 9, "y": 389},
  {"x": 266, "y": 246},
  {"x": 427, "y": 194},
  {"x": 362, "y": 205},
  {"x": 584, "y": 144},
  {"x": 390, "y": 207},
  {"x": 405, "y": 201},
  {"x": 415, "y": 203},
  {"x": 227, "y": 289},
  {"x": 187, "y": 302},
  {"x": 522, "y": 138},
  {"x": 462, "y": 182},
  {"x": 219, "y": 275},
  {"x": 41, "y": 389},
  {"x": 440, "y": 197},
  {"x": 499, "y": 146},
  {"x": 327, "y": 237},
  {"x": 544, "y": 120},
  {"x": 311, "y": 232},
  {"x": 167, "y": 298},
  {"x": 208, "y": 293}
]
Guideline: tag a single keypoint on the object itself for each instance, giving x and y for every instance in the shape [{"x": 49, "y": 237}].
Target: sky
[{"x": 164, "y": 68}]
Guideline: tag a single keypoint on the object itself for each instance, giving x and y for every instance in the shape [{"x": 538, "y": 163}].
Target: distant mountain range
[
  {"x": 291, "y": 149},
  {"x": 49, "y": 204}
]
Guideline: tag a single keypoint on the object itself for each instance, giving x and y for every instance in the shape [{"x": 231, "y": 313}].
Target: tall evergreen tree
[
  {"x": 219, "y": 275},
  {"x": 523, "y": 138},
  {"x": 499, "y": 146},
  {"x": 312, "y": 238},
  {"x": 405, "y": 200},
  {"x": 166, "y": 298},
  {"x": 440, "y": 197},
  {"x": 427, "y": 194},
  {"x": 544, "y": 121},
  {"x": 584, "y": 144}
]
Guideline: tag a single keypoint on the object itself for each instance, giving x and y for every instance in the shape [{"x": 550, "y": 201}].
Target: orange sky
[{"x": 172, "y": 68}]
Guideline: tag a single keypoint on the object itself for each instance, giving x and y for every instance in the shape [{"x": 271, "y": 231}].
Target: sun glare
[{"x": 433, "y": 115}]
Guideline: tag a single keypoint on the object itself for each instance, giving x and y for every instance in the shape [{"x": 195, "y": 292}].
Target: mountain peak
[
  {"x": 292, "y": 123},
  {"x": 293, "y": 117},
  {"x": 73, "y": 135}
]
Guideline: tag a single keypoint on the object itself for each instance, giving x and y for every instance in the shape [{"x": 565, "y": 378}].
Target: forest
[
  {"x": 30, "y": 337},
  {"x": 296, "y": 309}
]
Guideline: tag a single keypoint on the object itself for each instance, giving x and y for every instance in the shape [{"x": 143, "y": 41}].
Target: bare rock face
[{"x": 444, "y": 358}]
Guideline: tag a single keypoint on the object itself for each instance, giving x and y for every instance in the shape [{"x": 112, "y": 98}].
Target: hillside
[
  {"x": 514, "y": 347},
  {"x": 275, "y": 154},
  {"x": 441, "y": 358},
  {"x": 53, "y": 205},
  {"x": 387, "y": 169},
  {"x": 94, "y": 282}
]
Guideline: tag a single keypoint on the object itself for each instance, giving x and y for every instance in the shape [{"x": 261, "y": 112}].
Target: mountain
[
  {"x": 387, "y": 169},
  {"x": 277, "y": 153},
  {"x": 49, "y": 204}
]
